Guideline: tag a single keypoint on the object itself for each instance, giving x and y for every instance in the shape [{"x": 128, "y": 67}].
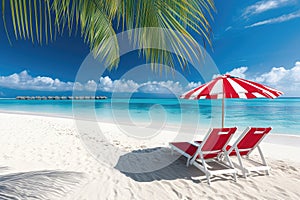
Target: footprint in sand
[
  {"x": 239, "y": 185},
  {"x": 178, "y": 194},
  {"x": 279, "y": 189},
  {"x": 254, "y": 185},
  {"x": 247, "y": 195},
  {"x": 293, "y": 168},
  {"x": 188, "y": 198}
]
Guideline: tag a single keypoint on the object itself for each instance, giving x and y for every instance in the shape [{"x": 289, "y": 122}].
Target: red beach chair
[
  {"x": 244, "y": 145},
  {"x": 213, "y": 145}
]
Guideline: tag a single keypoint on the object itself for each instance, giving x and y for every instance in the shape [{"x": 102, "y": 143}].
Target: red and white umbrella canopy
[{"x": 227, "y": 86}]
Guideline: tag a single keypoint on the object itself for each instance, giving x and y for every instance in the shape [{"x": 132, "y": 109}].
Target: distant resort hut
[
  {"x": 101, "y": 97},
  {"x": 60, "y": 97},
  {"x": 29, "y": 98},
  {"x": 20, "y": 98}
]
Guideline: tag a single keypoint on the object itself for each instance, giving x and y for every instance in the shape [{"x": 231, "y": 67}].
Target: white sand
[{"x": 46, "y": 157}]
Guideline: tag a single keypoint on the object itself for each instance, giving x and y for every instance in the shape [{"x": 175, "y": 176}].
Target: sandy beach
[
  {"x": 101, "y": 100},
  {"x": 46, "y": 158}
]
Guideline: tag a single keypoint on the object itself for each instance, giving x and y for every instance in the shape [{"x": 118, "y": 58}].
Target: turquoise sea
[{"x": 283, "y": 114}]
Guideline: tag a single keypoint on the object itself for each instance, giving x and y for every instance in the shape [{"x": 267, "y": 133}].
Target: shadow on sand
[
  {"x": 38, "y": 184},
  {"x": 176, "y": 169}
]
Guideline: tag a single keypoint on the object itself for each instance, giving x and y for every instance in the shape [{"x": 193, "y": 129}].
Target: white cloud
[
  {"x": 286, "y": 80},
  {"x": 281, "y": 78},
  {"x": 108, "y": 85},
  {"x": 162, "y": 87},
  {"x": 238, "y": 72},
  {"x": 91, "y": 85},
  {"x": 192, "y": 85},
  {"x": 159, "y": 87},
  {"x": 24, "y": 81},
  {"x": 276, "y": 20},
  {"x": 265, "y": 5}
]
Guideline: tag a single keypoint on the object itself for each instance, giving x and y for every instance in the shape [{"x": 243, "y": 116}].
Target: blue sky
[{"x": 257, "y": 40}]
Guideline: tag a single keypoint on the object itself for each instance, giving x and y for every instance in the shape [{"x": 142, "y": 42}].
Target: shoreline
[
  {"x": 273, "y": 138},
  {"x": 170, "y": 114}
]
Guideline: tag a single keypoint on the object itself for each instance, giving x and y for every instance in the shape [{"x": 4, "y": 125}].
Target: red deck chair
[
  {"x": 214, "y": 143},
  {"x": 245, "y": 144}
]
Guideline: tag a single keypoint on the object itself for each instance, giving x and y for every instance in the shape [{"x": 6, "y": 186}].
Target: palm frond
[
  {"x": 95, "y": 26},
  {"x": 176, "y": 16},
  {"x": 28, "y": 15},
  {"x": 4, "y": 21},
  {"x": 94, "y": 20}
]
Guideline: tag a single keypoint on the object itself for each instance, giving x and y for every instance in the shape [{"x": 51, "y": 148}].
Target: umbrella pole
[
  {"x": 223, "y": 102},
  {"x": 223, "y": 111}
]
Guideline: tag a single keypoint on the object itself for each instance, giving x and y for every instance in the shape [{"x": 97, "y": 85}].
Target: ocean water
[{"x": 283, "y": 114}]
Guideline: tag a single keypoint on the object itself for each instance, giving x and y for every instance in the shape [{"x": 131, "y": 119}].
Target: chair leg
[
  {"x": 263, "y": 159},
  {"x": 205, "y": 169},
  {"x": 188, "y": 161},
  {"x": 234, "y": 177},
  {"x": 241, "y": 163},
  {"x": 230, "y": 164},
  {"x": 208, "y": 179},
  {"x": 262, "y": 156}
]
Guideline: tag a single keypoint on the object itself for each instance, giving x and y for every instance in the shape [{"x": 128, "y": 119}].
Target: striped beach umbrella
[{"x": 227, "y": 86}]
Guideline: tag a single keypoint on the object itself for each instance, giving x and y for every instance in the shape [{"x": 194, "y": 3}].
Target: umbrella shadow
[
  {"x": 38, "y": 184},
  {"x": 174, "y": 170}
]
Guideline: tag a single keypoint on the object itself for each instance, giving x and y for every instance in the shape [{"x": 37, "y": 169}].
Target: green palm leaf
[{"x": 94, "y": 20}]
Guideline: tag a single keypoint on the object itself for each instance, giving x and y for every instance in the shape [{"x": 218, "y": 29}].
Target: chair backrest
[
  {"x": 217, "y": 139},
  {"x": 251, "y": 137}
]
